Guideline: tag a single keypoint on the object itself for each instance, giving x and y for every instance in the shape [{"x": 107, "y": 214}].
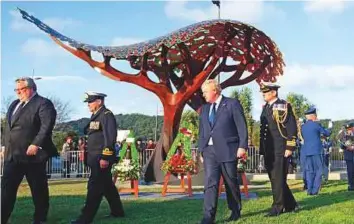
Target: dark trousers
[
  {"x": 277, "y": 168},
  {"x": 350, "y": 172},
  {"x": 100, "y": 184},
  {"x": 212, "y": 172},
  {"x": 37, "y": 180}
]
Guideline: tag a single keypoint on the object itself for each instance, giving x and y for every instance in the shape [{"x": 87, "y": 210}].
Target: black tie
[
  {"x": 212, "y": 115},
  {"x": 19, "y": 108}
]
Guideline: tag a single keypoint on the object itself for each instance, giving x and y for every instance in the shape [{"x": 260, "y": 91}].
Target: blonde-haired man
[{"x": 223, "y": 138}]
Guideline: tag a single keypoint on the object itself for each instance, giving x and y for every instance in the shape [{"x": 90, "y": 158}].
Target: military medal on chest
[{"x": 94, "y": 125}]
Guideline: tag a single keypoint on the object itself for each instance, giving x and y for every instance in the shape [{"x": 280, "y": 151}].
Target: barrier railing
[{"x": 71, "y": 165}]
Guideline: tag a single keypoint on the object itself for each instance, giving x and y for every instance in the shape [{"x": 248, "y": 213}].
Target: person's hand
[
  {"x": 288, "y": 153},
  {"x": 104, "y": 163},
  {"x": 32, "y": 150},
  {"x": 241, "y": 152},
  {"x": 201, "y": 159}
]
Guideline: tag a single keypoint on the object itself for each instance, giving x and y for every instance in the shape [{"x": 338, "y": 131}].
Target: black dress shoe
[
  {"x": 235, "y": 215},
  {"x": 273, "y": 213},
  {"x": 295, "y": 209}
]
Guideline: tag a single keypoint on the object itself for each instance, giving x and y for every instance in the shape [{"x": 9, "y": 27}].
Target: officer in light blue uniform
[{"x": 312, "y": 150}]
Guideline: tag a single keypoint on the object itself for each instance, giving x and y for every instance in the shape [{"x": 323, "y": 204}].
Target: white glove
[{"x": 330, "y": 124}]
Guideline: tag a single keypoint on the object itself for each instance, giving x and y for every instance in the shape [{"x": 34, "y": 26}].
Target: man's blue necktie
[{"x": 212, "y": 115}]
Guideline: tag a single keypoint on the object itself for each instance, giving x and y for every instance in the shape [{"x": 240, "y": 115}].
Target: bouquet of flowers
[
  {"x": 126, "y": 169},
  {"x": 179, "y": 159},
  {"x": 179, "y": 163},
  {"x": 242, "y": 163}
]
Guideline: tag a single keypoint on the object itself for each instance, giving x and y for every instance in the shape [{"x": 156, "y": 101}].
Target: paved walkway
[{"x": 196, "y": 195}]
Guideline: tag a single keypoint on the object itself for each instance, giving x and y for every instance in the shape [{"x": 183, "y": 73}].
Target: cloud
[
  {"x": 333, "y": 6},
  {"x": 245, "y": 11},
  {"x": 19, "y": 24},
  {"x": 39, "y": 48},
  {"x": 326, "y": 86},
  {"x": 122, "y": 41},
  {"x": 321, "y": 76}
]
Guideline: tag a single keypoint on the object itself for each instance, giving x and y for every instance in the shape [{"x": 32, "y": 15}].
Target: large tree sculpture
[{"x": 182, "y": 61}]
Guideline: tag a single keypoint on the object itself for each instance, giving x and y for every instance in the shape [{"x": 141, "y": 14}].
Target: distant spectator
[
  {"x": 65, "y": 155},
  {"x": 140, "y": 146},
  {"x": 150, "y": 144},
  {"x": 81, "y": 147}
]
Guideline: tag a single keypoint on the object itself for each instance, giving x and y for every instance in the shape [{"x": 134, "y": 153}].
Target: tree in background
[
  {"x": 64, "y": 110},
  {"x": 245, "y": 97},
  {"x": 5, "y": 104},
  {"x": 299, "y": 104}
]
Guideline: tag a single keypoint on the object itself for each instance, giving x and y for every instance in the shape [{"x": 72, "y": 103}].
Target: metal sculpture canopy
[
  {"x": 182, "y": 61},
  {"x": 241, "y": 42}
]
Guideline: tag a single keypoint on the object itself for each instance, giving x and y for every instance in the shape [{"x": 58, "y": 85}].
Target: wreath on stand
[
  {"x": 128, "y": 167},
  {"x": 179, "y": 158}
]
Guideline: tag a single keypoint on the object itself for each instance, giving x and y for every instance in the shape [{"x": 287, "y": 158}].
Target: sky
[{"x": 315, "y": 38}]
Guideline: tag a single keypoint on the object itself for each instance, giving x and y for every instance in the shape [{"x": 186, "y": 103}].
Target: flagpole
[{"x": 219, "y": 58}]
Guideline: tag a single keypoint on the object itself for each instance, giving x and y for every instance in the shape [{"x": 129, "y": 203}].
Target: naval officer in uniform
[
  {"x": 277, "y": 143},
  {"x": 102, "y": 134}
]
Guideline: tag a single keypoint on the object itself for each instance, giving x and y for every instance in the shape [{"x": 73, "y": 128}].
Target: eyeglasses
[{"x": 20, "y": 89}]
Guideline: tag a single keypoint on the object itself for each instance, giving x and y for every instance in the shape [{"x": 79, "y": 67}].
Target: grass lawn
[{"x": 334, "y": 205}]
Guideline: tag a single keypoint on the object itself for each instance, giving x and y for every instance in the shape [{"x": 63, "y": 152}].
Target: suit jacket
[
  {"x": 311, "y": 132},
  {"x": 229, "y": 131},
  {"x": 102, "y": 135},
  {"x": 32, "y": 126},
  {"x": 274, "y": 138}
]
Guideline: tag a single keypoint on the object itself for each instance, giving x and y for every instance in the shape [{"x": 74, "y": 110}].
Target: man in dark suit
[
  {"x": 102, "y": 134},
  {"x": 277, "y": 142},
  {"x": 223, "y": 138},
  {"x": 28, "y": 145}
]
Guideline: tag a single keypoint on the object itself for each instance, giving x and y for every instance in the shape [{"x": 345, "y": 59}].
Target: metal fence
[{"x": 72, "y": 165}]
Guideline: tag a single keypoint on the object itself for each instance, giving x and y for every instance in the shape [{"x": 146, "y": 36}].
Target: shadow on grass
[
  {"x": 325, "y": 199},
  {"x": 335, "y": 183},
  {"x": 63, "y": 208},
  {"x": 256, "y": 182},
  {"x": 67, "y": 207}
]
